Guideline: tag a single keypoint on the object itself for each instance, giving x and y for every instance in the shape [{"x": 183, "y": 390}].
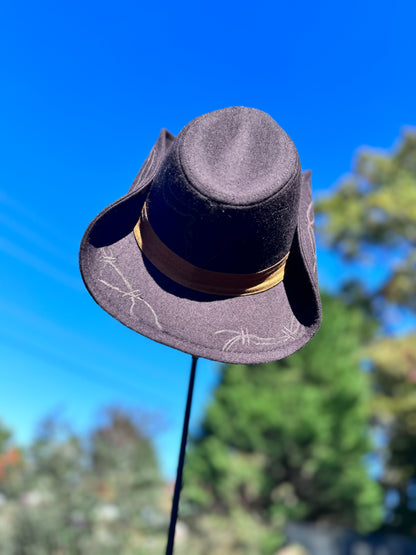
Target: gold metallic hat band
[{"x": 199, "y": 279}]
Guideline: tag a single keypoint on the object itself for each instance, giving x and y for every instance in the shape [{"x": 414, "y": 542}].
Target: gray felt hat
[{"x": 212, "y": 249}]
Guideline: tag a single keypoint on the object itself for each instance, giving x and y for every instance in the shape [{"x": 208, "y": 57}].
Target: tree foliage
[
  {"x": 373, "y": 215},
  {"x": 284, "y": 441},
  {"x": 73, "y": 495},
  {"x": 394, "y": 408}
]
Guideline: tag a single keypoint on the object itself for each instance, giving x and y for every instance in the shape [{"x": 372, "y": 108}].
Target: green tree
[
  {"x": 371, "y": 220},
  {"x": 97, "y": 494},
  {"x": 286, "y": 440},
  {"x": 10, "y": 462},
  {"x": 126, "y": 474},
  {"x": 5, "y": 436}
]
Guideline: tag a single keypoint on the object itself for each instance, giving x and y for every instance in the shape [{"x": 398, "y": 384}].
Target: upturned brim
[{"x": 257, "y": 328}]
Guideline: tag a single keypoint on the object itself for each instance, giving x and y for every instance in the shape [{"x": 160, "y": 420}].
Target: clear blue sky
[{"x": 85, "y": 89}]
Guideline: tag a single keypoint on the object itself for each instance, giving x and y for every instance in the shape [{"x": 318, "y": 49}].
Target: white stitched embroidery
[
  {"x": 244, "y": 338},
  {"x": 291, "y": 333},
  {"x": 311, "y": 231},
  {"x": 134, "y": 295}
]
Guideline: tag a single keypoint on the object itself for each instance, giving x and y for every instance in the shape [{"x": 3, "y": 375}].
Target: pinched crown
[{"x": 226, "y": 196}]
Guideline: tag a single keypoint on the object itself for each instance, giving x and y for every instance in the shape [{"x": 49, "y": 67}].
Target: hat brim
[{"x": 251, "y": 329}]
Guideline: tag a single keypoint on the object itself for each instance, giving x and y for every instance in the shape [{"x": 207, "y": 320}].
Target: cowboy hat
[{"x": 212, "y": 249}]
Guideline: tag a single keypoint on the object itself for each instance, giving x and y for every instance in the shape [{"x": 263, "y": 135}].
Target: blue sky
[{"x": 85, "y": 89}]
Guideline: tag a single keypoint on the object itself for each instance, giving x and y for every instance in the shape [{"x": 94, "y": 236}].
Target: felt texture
[{"x": 228, "y": 195}]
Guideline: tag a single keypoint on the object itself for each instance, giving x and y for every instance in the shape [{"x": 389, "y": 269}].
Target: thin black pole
[{"x": 181, "y": 461}]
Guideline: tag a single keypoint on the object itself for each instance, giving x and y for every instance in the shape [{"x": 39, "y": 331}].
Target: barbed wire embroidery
[
  {"x": 292, "y": 332},
  {"x": 311, "y": 231},
  {"x": 134, "y": 295},
  {"x": 244, "y": 338}
]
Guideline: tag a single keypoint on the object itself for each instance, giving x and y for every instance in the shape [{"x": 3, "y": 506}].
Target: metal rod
[{"x": 181, "y": 461}]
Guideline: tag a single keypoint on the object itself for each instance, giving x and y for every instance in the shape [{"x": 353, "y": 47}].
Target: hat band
[{"x": 183, "y": 272}]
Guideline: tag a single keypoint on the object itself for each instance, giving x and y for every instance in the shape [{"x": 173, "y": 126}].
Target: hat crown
[
  {"x": 236, "y": 156},
  {"x": 226, "y": 195}
]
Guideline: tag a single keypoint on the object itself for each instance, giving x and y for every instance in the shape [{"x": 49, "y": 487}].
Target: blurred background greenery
[{"x": 326, "y": 436}]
